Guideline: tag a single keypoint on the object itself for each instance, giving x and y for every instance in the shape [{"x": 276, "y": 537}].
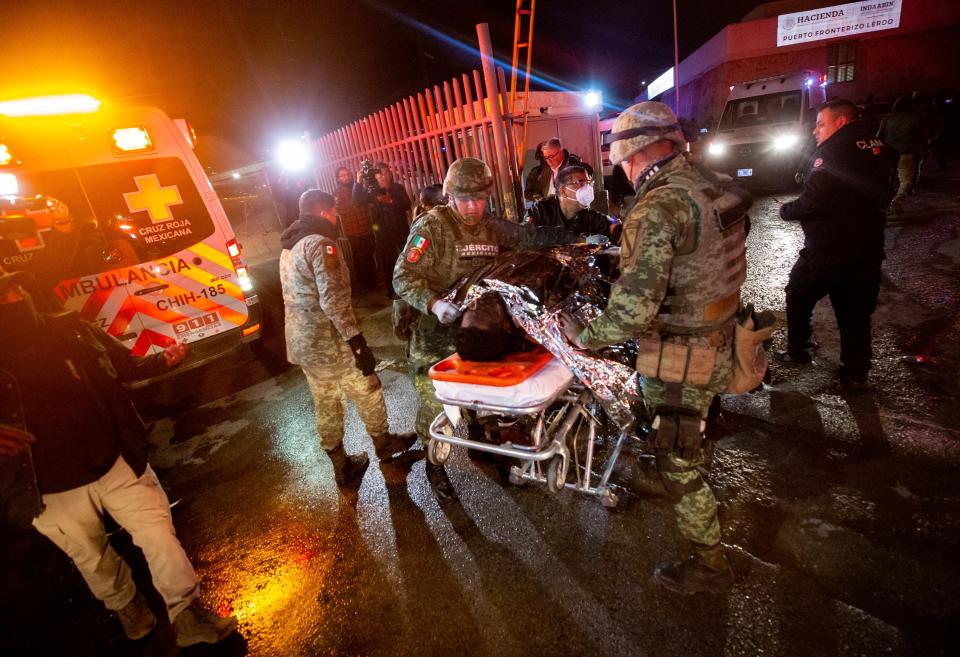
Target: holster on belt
[
  {"x": 677, "y": 431},
  {"x": 750, "y": 360}
]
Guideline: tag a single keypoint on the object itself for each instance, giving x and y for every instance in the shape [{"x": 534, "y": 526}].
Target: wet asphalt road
[{"x": 840, "y": 513}]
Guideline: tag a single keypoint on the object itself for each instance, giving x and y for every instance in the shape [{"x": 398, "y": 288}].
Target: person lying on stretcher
[{"x": 487, "y": 331}]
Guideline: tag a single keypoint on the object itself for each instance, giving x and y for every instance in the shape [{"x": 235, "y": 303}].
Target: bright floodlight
[
  {"x": 593, "y": 99},
  {"x": 8, "y": 185},
  {"x": 236, "y": 175},
  {"x": 293, "y": 154}
]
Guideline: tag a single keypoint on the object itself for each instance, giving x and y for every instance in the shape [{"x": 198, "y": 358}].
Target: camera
[{"x": 369, "y": 177}]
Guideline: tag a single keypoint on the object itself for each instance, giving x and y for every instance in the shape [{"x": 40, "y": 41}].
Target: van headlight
[
  {"x": 716, "y": 148},
  {"x": 783, "y": 142}
]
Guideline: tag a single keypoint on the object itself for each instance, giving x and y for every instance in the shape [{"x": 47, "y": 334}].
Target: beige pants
[
  {"x": 328, "y": 403},
  {"x": 73, "y": 520},
  {"x": 906, "y": 172}
]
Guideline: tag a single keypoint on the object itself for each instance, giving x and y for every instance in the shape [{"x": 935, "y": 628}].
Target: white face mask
[{"x": 585, "y": 196}]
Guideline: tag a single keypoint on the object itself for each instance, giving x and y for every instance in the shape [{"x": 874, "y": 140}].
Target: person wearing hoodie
[
  {"x": 83, "y": 448},
  {"x": 324, "y": 338}
]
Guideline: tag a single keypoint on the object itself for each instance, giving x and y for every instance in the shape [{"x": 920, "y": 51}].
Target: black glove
[{"x": 362, "y": 355}]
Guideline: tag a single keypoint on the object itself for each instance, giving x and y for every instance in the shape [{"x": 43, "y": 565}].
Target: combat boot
[
  {"x": 347, "y": 469},
  {"x": 440, "y": 483},
  {"x": 853, "y": 381},
  {"x": 389, "y": 444},
  {"x": 796, "y": 358},
  {"x": 137, "y": 619},
  {"x": 707, "y": 571},
  {"x": 197, "y": 625}
]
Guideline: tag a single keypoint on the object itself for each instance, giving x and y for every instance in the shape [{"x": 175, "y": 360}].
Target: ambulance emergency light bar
[
  {"x": 134, "y": 139},
  {"x": 50, "y": 105}
]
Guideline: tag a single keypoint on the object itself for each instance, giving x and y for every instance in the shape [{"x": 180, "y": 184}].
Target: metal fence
[{"x": 421, "y": 135}]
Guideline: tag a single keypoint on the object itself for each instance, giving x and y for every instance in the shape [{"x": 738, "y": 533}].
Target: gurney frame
[{"x": 548, "y": 460}]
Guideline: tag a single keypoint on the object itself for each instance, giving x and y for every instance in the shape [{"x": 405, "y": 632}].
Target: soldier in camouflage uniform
[
  {"x": 682, "y": 264},
  {"x": 323, "y": 338},
  {"x": 444, "y": 245}
]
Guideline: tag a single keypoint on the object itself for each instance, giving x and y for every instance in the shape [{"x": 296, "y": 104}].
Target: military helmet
[
  {"x": 468, "y": 178},
  {"x": 641, "y": 125}
]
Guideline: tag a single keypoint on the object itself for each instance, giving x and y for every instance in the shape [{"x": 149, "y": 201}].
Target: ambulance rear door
[{"x": 180, "y": 283}]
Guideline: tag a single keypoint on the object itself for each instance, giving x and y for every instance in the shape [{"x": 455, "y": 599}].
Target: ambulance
[
  {"x": 764, "y": 137},
  {"x": 126, "y": 228}
]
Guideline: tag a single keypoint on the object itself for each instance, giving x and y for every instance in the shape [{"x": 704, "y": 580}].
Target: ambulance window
[
  {"x": 122, "y": 214},
  {"x": 150, "y": 206},
  {"x": 58, "y": 251}
]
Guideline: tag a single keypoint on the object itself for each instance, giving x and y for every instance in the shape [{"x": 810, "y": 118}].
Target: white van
[
  {"x": 126, "y": 228},
  {"x": 765, "y": 132}
]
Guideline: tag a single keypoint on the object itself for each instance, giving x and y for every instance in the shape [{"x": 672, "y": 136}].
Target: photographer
[{"x": 388, "y": 203}]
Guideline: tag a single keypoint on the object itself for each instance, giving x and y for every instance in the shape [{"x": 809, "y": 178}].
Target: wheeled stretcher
[{"x": 543, "y": 417}]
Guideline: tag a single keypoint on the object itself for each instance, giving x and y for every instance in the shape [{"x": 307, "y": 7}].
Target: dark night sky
[{"x": 246, "y": 73}]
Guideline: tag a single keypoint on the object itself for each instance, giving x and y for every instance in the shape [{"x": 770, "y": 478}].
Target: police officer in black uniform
[{"x": 842, "y": 212}]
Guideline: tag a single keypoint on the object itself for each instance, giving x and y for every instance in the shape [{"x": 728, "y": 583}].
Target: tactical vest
[
  {"x": 469, "y": 247},
  {"x": 703, "y": 293}
]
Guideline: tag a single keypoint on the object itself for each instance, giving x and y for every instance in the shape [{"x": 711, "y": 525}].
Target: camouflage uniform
[
  {"x": 681, "y": 272},
  {"x": 441, "y": 249},
  {"x": 319, "y": 321}
]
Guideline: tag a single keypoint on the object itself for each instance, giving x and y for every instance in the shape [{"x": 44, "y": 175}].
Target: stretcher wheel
[
  {"x": 609, "y": 500},
  {"x": 556, "y": 474},
  {"x": 516, "y": 476},
  {"x": 438, "y": 452}
]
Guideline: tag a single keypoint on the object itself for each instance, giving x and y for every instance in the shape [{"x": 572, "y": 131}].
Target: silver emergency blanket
[{"x": 536, "y": 286}]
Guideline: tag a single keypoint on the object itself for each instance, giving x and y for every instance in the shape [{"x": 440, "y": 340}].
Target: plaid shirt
[{"x": 356, "y": 221}]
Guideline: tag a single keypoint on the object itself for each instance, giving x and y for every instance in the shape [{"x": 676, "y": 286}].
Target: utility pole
[{"x": 676, "y": 58}]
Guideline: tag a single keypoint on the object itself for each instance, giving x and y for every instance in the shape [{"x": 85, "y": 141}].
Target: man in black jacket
[
  {"x": 569, "y": 208},
  {"x": 60, "y": 388},
  {"x": 388, "y": 206},
  {"x": 842, "y": 212}
]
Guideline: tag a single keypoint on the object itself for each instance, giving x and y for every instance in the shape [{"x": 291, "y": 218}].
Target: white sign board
[
  {"x": 661, "y": 84},
  {"x": 838, "y": 21}
]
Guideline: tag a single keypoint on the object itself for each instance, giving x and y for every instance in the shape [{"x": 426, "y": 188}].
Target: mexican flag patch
[
  {"x": 417, "y": 247},
  {"x": 330, "y": 259}
]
